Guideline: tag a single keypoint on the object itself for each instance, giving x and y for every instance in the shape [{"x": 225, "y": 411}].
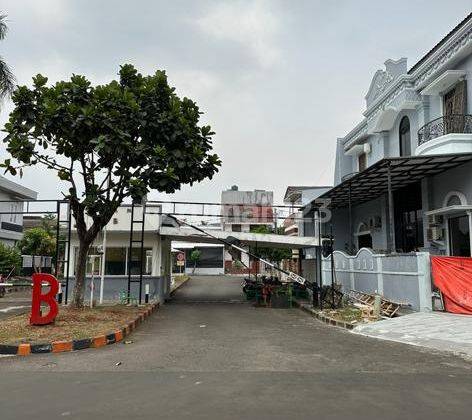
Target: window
[
  {"x": 115, "y": 261},
  {"x": 211, "y": 257},
  {"x": 454, "y": 200},
  {"x": 362, "y": 162},
  {"x": 136, "y": 258},
  {"x": 405, "y": 137},
  {"x": 93, "y": 262}
]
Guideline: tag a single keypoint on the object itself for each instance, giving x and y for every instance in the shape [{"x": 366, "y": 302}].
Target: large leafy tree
[
  {"x": 7, "y": 80},
  {"x": 109, "y": 142}
]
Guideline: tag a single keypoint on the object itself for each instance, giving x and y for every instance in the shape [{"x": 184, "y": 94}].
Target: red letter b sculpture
[{"x": 49, "y": 298}]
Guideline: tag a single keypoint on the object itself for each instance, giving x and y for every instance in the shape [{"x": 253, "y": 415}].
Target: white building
[
  {"x": 418, "y": 123},
  {"x": 12, "y": 196},
  {"x": 121, "y": 257},
  {"x": 244, "y": 211},
  {"x": 211, "y": 261},
  {"x": 403, "y": 175}
]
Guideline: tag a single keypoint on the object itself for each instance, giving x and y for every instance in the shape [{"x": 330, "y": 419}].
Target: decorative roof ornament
[{"x": 383, "y": 78}]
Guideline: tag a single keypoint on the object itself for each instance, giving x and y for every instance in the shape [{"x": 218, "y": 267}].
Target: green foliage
[
  {"x": 108, "y": 142},
  {"x": 7, "y": 80},
  {"x": 37, "y": 241},
  {"x": 49, "y": 224},
  {"x": 195, "y": 255},
  {"x": 275, "y": 255},
  {"x": 9, "y": 258}
]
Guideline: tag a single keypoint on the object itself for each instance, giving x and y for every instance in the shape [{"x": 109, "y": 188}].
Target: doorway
[
  {"x": 364, "y": 241},
  {"x": 459, "y": 236},
  {"x": 408, "y": 218}
]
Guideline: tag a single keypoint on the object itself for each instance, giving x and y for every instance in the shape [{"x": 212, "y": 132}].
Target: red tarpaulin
[{"x": 453, "y": 277}]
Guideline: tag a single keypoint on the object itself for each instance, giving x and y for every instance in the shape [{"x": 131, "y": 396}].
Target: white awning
[
  {"x": 443, "y": 82},
  {"x": 450, "y": 210},
  {"x": 358, "y": 149}
]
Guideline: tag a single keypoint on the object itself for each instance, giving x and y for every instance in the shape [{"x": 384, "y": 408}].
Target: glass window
[
  {"x": 93, "y": 262},
  {"x": 136, "y": 258},
  {"x": 454, "y": 200},
  {"x": 405, "y": 137},
  {"x": 115, "y": 261}
]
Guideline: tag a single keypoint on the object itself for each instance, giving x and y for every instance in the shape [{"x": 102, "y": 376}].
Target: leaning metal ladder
[
  {"x": 132, "y": 242},
  {"x": 63, "y": 245}
]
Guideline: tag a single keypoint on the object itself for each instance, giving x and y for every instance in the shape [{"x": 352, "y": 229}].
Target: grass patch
[
  {"x": 70, "y": 324},
  {"x": 345, "y": 314}
]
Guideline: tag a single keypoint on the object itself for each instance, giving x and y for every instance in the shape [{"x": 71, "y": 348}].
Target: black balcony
[{"x": 447, "y": 124}]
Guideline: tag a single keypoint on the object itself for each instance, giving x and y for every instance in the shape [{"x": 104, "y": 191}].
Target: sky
[{"x": 277, "y": 80}]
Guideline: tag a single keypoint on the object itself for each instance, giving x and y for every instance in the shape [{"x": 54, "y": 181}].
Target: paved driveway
[{"x": 212, "y": 355}]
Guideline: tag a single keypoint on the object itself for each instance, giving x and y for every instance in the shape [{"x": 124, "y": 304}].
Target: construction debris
[{"x": 366, "y": 302}]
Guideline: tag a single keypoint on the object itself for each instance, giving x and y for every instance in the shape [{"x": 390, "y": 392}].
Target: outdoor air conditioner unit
[
  {"x": 435, "y": 220},
  {"x": 435, "y": 233}
]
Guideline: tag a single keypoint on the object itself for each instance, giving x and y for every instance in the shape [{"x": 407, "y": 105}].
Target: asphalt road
[
  {"x": 210, "y": 355},
  {"x": 15, "y": 303}
]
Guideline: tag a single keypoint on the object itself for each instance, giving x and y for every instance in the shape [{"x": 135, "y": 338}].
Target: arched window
[
  {"x": 454, "y": 198},
  {"x": 405, "y": 137}
]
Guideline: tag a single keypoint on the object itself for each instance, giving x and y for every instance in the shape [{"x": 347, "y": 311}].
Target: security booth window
[
  {"x": 115, "y": 261},
  {"x": 94, "y": 260},
  {"x": 136, "y": 258}
]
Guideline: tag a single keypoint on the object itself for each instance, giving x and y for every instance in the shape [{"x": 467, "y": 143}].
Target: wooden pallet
[{"x": 387, "y": 307}]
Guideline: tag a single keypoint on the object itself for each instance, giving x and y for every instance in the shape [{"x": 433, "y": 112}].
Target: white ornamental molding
[{"x": 440, "y": 59}]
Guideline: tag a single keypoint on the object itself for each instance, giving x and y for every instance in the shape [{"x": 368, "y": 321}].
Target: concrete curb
[
  {"x": 323, "y": 318},
  {"x": 23, "y": 349},
  {"x": 179, "y": 286}
]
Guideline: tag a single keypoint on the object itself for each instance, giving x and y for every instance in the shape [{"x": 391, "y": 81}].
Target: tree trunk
[{"x": 80, "y": 271}]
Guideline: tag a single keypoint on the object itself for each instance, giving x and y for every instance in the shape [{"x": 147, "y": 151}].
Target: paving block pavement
[{"x": 434, "y": 330}]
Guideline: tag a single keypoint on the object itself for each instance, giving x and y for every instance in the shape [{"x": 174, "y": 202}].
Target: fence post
[
  {"x": 351, "y": 272},
  {"x": 424, "y": 282},
  {"x": 380, "y": 280}
]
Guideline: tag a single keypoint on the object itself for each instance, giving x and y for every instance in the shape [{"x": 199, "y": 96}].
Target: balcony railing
[{"x": 447, "y": 124}]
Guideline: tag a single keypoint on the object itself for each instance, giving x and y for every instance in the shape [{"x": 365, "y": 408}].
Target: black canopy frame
[{"x": 385, "y": 177}]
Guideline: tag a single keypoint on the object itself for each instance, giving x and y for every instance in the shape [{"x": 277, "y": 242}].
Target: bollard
[
  {"x": 59, "y": 294},
  {"x": 146, "y": 296}
]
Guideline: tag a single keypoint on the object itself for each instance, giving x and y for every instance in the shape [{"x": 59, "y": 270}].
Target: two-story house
[
  {"x": 12, "y": 197},
  {"x": 403, "y": 175}
]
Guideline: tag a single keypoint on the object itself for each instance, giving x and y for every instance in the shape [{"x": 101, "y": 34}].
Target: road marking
[{"x": 12, "y": 308}]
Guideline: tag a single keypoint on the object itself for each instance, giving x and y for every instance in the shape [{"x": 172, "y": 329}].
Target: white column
[
  {"x": 380, "y": 281},
  {"x": 424, "y": 281}
]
